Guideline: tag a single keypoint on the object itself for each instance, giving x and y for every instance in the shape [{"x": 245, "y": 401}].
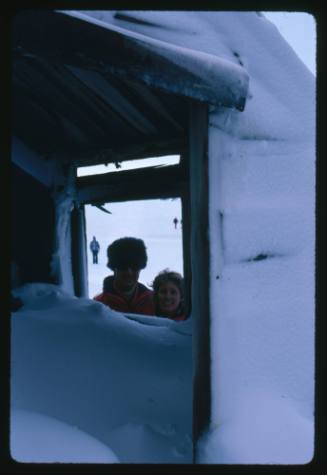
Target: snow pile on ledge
[{"x": 126, "y": 382}]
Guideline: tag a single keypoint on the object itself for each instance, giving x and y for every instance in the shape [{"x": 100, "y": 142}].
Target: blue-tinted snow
[
  {"x": 39, "y": 438},
  {"x": 124, "y": 382}
]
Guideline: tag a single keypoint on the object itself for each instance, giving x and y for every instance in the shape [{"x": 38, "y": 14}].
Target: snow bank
[
  {"x": 113, "y": 377},
  {"x": 254, "y": 435},
  {"x": 43, "y": 439}
]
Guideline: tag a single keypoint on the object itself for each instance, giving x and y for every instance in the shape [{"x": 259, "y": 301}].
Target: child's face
[{"x": 169, "y": 298}]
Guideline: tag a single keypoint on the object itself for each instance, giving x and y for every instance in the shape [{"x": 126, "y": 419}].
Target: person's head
[
  {"x": 168, "y": 287},
  {"x": 126, "y": 257}
]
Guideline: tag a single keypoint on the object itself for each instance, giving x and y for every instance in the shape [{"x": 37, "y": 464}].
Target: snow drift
[{"x": 124, "y": 382}]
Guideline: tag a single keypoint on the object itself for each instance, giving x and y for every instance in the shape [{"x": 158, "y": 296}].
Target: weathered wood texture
[
  {"x": 79, "y": 251},
  {"x": 186, "y": 226},
  {"x": 144, "y": 183},
  {"x": 128, "y": 151},
  {"x": 200, "y": 270}
]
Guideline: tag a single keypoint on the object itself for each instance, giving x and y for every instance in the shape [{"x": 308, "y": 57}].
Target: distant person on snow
[
  {"x": 122, "y": 291},
  {"x": 95, "y": 248},
  {"x": 168, "y": 289},
  {"x": 175, "y": 222}
]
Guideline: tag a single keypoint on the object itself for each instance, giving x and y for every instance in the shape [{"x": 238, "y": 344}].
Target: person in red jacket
[
  {"x": 168, "y": 295},
  {"x": 122, "y": 291}
]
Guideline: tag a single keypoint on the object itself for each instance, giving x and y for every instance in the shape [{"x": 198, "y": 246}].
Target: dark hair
[
  {"x": 127, "y": 252},
  {"x": 169, "y": 276}
]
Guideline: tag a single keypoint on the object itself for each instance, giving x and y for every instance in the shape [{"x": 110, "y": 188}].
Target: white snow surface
[
  {"x": 126, "y": 382},
  {"x": 43, "y": 439},
  {"x": 254, "y": 435}
]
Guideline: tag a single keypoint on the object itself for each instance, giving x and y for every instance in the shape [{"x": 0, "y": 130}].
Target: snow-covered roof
[
  {"x": 93, "y": 80},
  {"x": 171, "y": 67},
  {"x": 281, "y": 88}
]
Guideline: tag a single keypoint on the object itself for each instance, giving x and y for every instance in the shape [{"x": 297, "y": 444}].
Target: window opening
[{"x": 158, "y": 222}]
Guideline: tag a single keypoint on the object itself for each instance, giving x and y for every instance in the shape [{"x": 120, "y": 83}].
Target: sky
[{"x": 299, "y": 30}]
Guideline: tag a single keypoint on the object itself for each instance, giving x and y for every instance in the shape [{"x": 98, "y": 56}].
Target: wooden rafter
[{"x": 144, "y": 183}]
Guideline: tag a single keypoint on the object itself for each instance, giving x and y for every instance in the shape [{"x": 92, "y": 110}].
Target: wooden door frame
[
  {"x": 191, "y": 185},
  {"x": 199, "y": 210}
]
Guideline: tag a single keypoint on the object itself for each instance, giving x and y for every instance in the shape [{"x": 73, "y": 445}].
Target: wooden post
[
  {"x": 79, "y": 252},
  {"x": 186, "y": 227},
  {"x": 198, "y": 143}
]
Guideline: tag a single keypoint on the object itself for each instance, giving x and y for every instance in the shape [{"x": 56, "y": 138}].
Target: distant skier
[
  {"x": 95, "y": 248},
  {"x": 175, "y": 221}
]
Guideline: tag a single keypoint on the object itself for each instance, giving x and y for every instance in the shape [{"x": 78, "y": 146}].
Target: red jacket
[
  {"x": 179, "y": 317},
  {"x": 142, "y": 301}
]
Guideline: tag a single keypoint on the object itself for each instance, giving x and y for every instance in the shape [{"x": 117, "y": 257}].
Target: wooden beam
[
  {"x": 120, "y": 104},
  {"x": 78, "y": 40},
  {"x": 60, "y": 96},
  {"x": 153, "y": 100},
  {"x": 186, "y": 226},
  {"x": 200, "y": 270},
  {"x": 130, "y": 151},
  {"x": 144, "y": 183},
  {"x": 44, "y": 171},
  {"x": 79, "y": 251}
]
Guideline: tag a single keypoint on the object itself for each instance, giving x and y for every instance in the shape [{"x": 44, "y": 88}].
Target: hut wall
[{"x": 262, "y": 241}]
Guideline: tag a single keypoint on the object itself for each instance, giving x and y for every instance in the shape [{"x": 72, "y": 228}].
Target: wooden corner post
[{"x": 199, "y": 202}]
